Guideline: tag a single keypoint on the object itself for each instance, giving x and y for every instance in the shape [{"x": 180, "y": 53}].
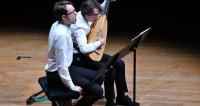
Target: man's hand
[
  {"x": 77, "y": 88},
  {"x": 103, "y": 41}
]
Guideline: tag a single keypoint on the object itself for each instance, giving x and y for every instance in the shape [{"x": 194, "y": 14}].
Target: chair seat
[{"x": 57, "y": 94}]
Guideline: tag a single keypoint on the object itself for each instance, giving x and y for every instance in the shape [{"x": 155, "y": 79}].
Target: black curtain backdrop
[{"x": 166, "y": 16}]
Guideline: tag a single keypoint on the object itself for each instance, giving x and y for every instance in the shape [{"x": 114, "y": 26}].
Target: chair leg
[
  {"x": 64, "y": 103},
  {"x": 67, "y": 103},
  {"x": 55, "y": 103}
]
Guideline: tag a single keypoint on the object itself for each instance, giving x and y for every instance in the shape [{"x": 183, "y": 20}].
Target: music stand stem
[{"x": 134, "y": 77}]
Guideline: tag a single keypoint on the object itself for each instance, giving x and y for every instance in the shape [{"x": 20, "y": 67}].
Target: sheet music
[{"x": 141, "y": 34}]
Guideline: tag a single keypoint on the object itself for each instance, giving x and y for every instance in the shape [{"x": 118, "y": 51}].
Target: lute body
[{"x": 98, "y": 29}]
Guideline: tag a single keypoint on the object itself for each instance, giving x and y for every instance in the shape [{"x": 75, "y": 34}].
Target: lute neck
[{"x": 106, "y": 10}]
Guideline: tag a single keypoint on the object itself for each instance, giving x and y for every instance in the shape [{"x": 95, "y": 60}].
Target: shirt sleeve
[
  {"x": 63, "y": 61},
  {"x": 82, "y": 42}
]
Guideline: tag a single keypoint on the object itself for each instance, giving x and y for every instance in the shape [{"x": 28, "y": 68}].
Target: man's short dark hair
[
  {"x": 88, "y": 6},
  {"x": 60, "y": 9}
]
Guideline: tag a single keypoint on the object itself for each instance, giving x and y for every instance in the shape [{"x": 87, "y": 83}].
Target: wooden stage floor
[{"x": 168, "y": 70}]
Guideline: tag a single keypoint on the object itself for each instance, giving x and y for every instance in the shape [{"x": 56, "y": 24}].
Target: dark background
[{"x": 180, "y": 19}]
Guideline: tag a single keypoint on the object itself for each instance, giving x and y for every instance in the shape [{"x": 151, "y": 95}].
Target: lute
[{"x": 98, "y": 29}]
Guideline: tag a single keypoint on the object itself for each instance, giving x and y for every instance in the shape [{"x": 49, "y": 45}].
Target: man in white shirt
[
  {"x": 59, "y": 71},
  {"x": 90, "y": 10}
]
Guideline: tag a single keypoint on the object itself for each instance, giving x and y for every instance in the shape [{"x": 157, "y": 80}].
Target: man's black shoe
[{"x": 125, "y": 100}]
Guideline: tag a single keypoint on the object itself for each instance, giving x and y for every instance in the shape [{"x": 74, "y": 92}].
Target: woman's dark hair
[
  {"x": 60, "y": 9},
  {"x": 88, "y": 6}
]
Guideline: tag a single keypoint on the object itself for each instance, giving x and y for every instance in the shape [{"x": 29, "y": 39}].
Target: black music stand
[{"x": 122, "y": 53}]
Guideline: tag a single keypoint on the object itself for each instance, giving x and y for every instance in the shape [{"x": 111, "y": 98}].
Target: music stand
[{"x": 122, "y": 53}]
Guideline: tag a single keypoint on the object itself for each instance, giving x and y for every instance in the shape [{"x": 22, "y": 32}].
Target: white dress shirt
[
  {"x": 80, "y": 30},
  {"x": 60, "y": 52}
]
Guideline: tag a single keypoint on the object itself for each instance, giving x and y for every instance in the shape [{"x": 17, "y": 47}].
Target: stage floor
[{"x": 167, "y": 69}]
